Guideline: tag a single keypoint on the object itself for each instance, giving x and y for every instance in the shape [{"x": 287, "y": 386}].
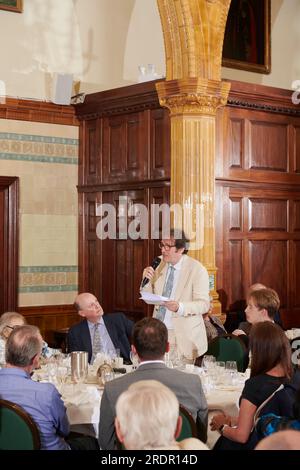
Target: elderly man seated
[
  {"x": 147, "y": 418},
  {"x": 41, "y": 400}
]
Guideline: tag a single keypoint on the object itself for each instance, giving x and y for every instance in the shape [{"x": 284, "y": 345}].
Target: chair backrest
[
  {"x": 228, "y": 348},
  {"x": 189, "y": 428},
  {"x": 18, "y": 431}
]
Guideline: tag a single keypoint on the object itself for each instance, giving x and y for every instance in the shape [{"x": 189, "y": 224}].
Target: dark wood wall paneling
[
  {"x": 125, "y": 150},
  {"x": 48, "y": 318},
  {"x": 257, "y": 197},
  {"x": 9, "y": 243}
]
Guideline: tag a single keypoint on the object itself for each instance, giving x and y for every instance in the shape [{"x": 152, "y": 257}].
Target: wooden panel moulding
[
  {"x": 268, "y": 144},
  {"x": 269, "y": 265},
  {"x": 38, "y": 111},
  {"x": 9, "y": 242},
  {"x": 123, "y": 100},
  {"x": 268, "y": 214},
  {"x": 50, "y": 318}
]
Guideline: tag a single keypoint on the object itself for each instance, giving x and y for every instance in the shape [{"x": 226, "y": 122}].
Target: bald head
[
  {"x": 281, "y": 440},
  {"x": 24, "y": 346},
  {"x": 88, "y": 307}
]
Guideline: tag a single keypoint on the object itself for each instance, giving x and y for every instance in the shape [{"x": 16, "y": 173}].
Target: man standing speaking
[{"x": 184, "y": 281}]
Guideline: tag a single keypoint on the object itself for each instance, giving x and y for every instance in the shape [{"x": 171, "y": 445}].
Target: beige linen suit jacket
[{"x": 192, "y": 290}]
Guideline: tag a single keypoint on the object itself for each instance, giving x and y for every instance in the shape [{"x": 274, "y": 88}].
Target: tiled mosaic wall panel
[{"x": 45, "y": 158}]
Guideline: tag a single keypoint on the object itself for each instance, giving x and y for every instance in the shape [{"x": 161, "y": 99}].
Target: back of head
[
  {"x": 9, "y": 319},
  {"x": 147, "y": 413},
  {"x": 266, "y": 299},
  {"x": 23, "y": 345},
  {"x": 269, "y": 347},
  {"x": 150, "y": 338},
  {"x": 281, "y": 440}
]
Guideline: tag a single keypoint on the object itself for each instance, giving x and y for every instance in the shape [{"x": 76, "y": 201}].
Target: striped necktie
[
  {"x": 97, "y": 345},
  {"x": 167, "y": 291}
]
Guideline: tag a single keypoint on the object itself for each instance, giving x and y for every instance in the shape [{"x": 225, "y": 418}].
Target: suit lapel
[
  {"x": 183, "y": 278},
  {"x": 160, "y": 276}
]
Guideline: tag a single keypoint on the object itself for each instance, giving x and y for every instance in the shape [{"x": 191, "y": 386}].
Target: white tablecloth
[{"x": 222, "y": 398}]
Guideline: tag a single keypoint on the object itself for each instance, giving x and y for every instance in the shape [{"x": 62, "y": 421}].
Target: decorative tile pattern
[
  {"x": 48, "y": 279},
  {"x": 37, "y": 148}
]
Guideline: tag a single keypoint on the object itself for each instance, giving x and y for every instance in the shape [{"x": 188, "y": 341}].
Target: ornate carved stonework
[
  {"x": 193, "y": 96},
  {"x": 193, "y": 33}
]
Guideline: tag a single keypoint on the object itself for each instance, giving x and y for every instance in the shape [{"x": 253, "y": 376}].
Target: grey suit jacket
[{"x": 187, "y": 387}]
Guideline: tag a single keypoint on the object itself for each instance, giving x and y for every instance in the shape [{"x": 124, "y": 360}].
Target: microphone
[{"x": 155, "y": 264}]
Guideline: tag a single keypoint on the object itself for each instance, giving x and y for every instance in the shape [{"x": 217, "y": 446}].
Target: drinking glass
[
  {"x": 107, "y": 376},
  {"x": 134, "y": 359},
  {"x": 208, "y": 362}
]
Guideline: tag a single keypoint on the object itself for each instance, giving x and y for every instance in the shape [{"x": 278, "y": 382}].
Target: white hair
[{"x": 147, "y": 413}]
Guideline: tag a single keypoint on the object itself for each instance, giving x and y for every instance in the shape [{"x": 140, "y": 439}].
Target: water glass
[
  {"x": 208, "y": 362},
  {"x": 134, "y": 359},
  {"x": 79, "y": 366},
  {"x": 107, "y": 376}
]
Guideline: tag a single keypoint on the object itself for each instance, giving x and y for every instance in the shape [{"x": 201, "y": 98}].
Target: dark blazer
[
  {"x": 119, "y": 329},
  {"x": 187, "y": 387}
]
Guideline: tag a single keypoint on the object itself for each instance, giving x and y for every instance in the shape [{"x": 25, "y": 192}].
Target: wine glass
[{"x": 134, "y": 359}]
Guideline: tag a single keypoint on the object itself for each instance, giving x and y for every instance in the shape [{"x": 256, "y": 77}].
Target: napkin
[{"x": 79, "y": 394}]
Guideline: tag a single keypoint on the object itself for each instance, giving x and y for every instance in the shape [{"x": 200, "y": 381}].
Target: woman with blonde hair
[{"x": 270, "y": 367}]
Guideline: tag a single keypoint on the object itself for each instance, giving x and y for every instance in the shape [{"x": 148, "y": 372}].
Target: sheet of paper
[{"x": 152, "y": 299}]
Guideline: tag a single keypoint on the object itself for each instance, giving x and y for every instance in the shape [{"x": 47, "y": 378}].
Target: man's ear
[
  {"x": 81, "y": 313},
  {"x": 118, "y": 431},
  {"x": 35, "y": 361},
  {"x": 265, "y": 314},
  {"x": 178, "y": 427}
]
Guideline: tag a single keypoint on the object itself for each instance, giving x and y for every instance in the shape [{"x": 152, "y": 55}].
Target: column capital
[{"x": 193, "y": 96}]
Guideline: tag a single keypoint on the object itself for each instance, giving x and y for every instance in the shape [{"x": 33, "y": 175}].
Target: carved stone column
[{"x": 193, "y": 34}]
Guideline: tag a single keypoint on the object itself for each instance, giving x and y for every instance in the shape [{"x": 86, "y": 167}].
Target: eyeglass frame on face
[
  {"x": 166, "y": 246},
  {"x": 12, "y": 327}
]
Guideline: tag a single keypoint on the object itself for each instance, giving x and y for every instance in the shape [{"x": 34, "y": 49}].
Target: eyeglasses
[
  {"x": 166, "y": 246},
  {"x": 11, "y": 327}
]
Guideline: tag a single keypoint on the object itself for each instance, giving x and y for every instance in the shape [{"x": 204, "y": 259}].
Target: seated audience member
[
  {"x": 98, "y": 332},
  {"x": 213, "y": 325},
  {"x": 270, "y": 367},
  {"x": 262, "y": 306},
  {"x": 282, "y": 440},
  {"x": 147, "y": 418},
  {"x": 8, "y": 321},
  {"x": 150, "y": 343},
  {"x": 242, "y": 323},
  {"x": 41, "y": 400}
]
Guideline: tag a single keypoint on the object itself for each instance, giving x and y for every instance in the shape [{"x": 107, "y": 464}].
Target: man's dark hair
[
  {"x": 180, "y": 239},
  {"x": 23, "y": 344},
  {"x": 150, "y": 338}
]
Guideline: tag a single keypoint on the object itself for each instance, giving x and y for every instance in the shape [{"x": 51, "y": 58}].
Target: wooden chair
[
  {"x": 228, "y": 348},
  {"x": 189, "y": 428},
  {"x": 18, "y": 431}
]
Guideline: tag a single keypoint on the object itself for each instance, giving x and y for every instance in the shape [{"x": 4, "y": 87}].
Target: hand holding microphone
[{"x": 148, "y": 272}]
